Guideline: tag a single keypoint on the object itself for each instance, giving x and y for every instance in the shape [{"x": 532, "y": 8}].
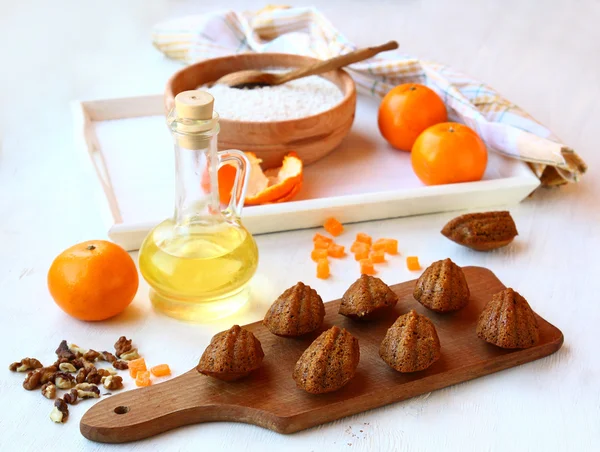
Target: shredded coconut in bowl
[{"x": 292, "y": 100}]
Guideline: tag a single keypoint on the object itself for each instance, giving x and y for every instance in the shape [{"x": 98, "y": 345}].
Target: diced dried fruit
[
  {"x": 359, "y": 246},
  {"x": 143, "y": 378},
  {"x": 361, "y": 254},
  {"x": 333, "y": 226},
  {"x": 391, "y": 246},
  {"x": 321, "y": 244},
  {"x": 137, "y": 365},
  {"x": 323, "y": 238},
  {"x": 377, "y": 257},
  {"x": 323, "y": 269},
  {"x": 412, "y": 262},
  {"x": 161, "y": 370},
  {"x": 112, "y": 382},
  {"x": 49, "y": 390},
  {"x": 336, "y": 251},
  {"x": 60, "y": 412},
  {"x": 318, "y": 254},
  {"x": 366, "y": 267},
  {"x": 25, "y": 364},
  {"x": 364, "y": 238},
  {"x": 380, "y": 244}
]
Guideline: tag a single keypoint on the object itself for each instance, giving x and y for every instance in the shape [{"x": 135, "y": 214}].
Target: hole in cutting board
[{"x": 121, "y": 409}]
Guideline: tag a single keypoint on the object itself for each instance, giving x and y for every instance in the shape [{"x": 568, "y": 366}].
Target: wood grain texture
[
  {"x": 312, "y": 137},
  {"x": 269, "y": 397}
]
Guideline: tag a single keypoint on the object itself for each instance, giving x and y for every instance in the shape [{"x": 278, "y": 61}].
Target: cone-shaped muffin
[
  {"x": 442, "y": 287},
  {"x": 231, "y": 354},
  {"x": 482, "y": 231},
  {"x": 366, "y": 298},
  {"x": 411, "y": 343},
  {"x": 328, "y": 363},
  {"x": 508, "y": 321},
  {"x": 299, "y": 310}
]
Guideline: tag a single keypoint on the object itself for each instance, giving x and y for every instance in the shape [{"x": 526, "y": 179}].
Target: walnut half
[
  {"x": 63, "y": 351},
  {"x": 87, "y": 391},
  {"x": 60, "y": 412},
  {"x": 33, "y": 380},
  {"x": 64, "y": 380},
  {"x": 123, "y": 345},
  {"x": 25, "y": 364},
  {"x": 112, "y": 382},
  {"x": 130, "y": 355},
  {"x": 49, "y": 390},
  {"x": 121, "y": 365},
  {"x": 67, "y": 367},
  {"x": 71, "y": 397}
]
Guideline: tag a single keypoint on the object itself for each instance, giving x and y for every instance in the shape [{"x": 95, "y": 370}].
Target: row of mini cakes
[{"x": 411, "y": 344}]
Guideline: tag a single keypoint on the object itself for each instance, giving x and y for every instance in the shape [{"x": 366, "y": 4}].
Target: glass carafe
[{"x": 199, "y": 263}]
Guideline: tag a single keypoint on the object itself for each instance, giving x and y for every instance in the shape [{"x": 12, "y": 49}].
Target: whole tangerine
[
  {"x": 448, "y": 153},
  {"x": 406, "y": 111},
  {"x": 93, "y": 280}
]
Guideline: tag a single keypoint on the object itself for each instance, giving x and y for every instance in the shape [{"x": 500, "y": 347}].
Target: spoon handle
[{"x": 336, "y": 62}]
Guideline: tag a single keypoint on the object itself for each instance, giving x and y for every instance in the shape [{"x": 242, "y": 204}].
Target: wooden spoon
[{"x": 254, "y": 78}]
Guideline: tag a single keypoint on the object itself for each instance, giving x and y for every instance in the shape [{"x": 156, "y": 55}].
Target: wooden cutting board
[{"x": 269, "y": 397}]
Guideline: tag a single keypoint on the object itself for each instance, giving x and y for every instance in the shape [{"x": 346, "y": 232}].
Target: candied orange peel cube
[
  {"x": 380, "y": 244},
  {"x": 321, "y": 244},
  {"x": 377, "y": 256},
  {"x": 335, "y": 250},
  {"x": 137, "y": 365},
  {"x": 391, "y": 246},
  {"x": 322, "y": 238},
  {"x": 366, "y": 267},
  {"x": 143, "y": 378},
  {"x": 364, "y": 238},
  {"x": 361, "y": 254},
  {"x": 412, "y": 262},
  {"x": 161, "y": 370},
  {"x": 323, "y": 269},
  {"x": 333, "y": 226},
  {"x": 318, "y": 254},
  {"x": 359, "y": 246}
]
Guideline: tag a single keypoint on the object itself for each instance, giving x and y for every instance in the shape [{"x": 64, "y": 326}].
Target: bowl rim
[{"x": 346, "y": 101}]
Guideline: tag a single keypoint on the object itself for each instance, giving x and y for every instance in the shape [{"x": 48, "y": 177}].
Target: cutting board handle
[{"x": 142, "y": 413}]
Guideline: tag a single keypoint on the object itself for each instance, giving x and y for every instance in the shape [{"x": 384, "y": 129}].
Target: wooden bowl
[{"x": 311, "y": 137}]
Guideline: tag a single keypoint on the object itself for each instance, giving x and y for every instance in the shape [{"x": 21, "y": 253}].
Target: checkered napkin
[{"x": 504, "y": 127}]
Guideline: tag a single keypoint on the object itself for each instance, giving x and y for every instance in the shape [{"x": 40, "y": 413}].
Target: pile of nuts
[{"x": 74, "y": 372}]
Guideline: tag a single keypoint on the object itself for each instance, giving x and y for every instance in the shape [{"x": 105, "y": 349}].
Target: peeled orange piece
[{"x": 264, "y": 187}]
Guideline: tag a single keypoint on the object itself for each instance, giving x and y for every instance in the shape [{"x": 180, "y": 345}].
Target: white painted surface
[{"x": 543, "y": 56}]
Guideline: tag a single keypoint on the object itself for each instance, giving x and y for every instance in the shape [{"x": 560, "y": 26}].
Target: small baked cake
[
  {"x": 328, "y": 363},
  {"x": 411, "y": 343},
  {"x": 442, "y": 287},
  {"x": 508, "y": 321},
  {"x": 299, "y": 310},
  {"x": 367, "y": 297},
  {"x": 231, "y": 355},
  {"x": 482, "y": 231}
]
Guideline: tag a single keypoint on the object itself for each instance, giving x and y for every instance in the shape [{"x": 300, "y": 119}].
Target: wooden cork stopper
[{"x": 194, "y": 104}]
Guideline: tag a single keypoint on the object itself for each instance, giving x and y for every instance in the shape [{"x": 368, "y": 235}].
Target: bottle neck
[{"x": 196, "y": 193}]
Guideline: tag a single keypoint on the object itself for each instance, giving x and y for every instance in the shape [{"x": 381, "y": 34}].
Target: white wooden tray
[{"x": 364, "y": 179}]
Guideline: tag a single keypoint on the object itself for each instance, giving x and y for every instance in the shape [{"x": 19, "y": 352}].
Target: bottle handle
[{"x": 240, "y": 183}]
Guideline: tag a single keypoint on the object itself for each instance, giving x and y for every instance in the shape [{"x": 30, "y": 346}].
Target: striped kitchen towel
[{"x": 505, "y": 127}]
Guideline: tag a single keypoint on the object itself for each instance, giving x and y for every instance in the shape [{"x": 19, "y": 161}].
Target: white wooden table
[{"x": 545, "y": 56}]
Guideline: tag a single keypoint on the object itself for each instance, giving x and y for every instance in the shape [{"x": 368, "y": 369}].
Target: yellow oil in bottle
[{"x": 198, "y": 272}]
